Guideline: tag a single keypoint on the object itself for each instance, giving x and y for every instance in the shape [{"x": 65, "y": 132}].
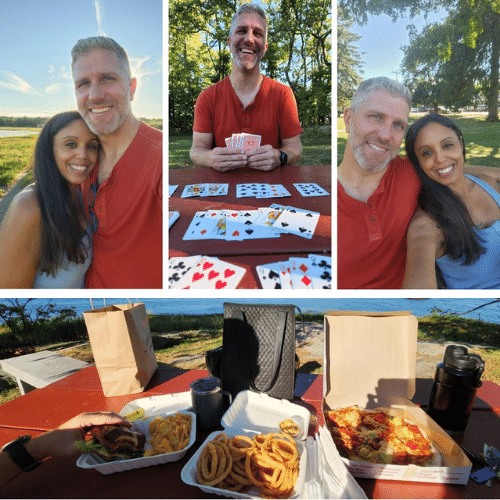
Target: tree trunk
[{"x": 495, "y": 57}]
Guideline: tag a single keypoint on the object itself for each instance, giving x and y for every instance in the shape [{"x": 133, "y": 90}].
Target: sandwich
[{"x": 113, "y": 442}]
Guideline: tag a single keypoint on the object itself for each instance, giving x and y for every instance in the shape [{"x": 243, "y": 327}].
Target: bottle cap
[{"x": 458, "y": 357}]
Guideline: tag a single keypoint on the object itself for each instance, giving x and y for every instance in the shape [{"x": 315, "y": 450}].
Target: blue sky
[
  {"x": 381, "y": 40},
  {"x": 36, "y": 42}
]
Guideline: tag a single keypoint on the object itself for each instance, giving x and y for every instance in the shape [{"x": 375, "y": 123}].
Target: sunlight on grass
[{"x": 481, "y": 139}]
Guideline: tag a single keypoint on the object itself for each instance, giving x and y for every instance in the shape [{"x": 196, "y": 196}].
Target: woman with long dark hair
[
  {"x": 44, "y": 237},
  {"x": 457, "y": 225}
]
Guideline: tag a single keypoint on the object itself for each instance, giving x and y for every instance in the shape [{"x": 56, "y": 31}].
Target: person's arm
[
  {"x": 221, "y": 159},
  {"x": 425, "y": 244},
  {"x": 478, "y": 171},
  {"x": 267, "y": 158},
  {"x": 20, "y": 234},
  {"x": 58, "y": 442}
]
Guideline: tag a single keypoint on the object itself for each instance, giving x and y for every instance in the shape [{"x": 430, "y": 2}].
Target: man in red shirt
[
  {"x": 123, "y": 196},
  {"x": 246, "y": 102},
  {"x": 377, "y": 190}
]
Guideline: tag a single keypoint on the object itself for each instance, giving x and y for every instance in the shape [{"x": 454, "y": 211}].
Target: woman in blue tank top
[
  {"x": 457, "y": 225},
  {"x": 44, "y": 237}
]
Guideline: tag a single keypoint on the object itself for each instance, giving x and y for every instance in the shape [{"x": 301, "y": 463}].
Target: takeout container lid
[
  {"x": 156, "y": 405},
  {"x": 254, "y": 413},
  {"x": 370, "y": 361}
]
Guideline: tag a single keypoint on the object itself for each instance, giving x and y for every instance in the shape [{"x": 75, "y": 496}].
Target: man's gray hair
[
  {"x": 248, "y": 8},
  {"x": 392, "y": 87},
  {"x": 86, "y": 45}
]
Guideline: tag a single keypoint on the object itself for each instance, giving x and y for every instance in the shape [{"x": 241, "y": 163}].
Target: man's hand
[
  {"x": 264, "y": 158},
  {"x": 225, "y": 159}
]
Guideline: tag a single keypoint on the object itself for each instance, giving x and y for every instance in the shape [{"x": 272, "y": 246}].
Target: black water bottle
[{"x": 455, "y": 384}]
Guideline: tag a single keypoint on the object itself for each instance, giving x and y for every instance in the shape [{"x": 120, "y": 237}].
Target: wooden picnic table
[
  {"x": 46, "y": 408},
  {"x": 250, "y": 253}
]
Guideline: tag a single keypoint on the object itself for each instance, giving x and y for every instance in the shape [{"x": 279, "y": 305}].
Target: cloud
[
  {"x": 16, "y": 83},
  {"x": 55, "y": 88},
  {"x": 98, "y": 18},
  {"x": 140, "y": 68}
]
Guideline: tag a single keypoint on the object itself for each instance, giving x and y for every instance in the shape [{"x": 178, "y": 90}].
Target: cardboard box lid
[{"x": 370, "y": 357}]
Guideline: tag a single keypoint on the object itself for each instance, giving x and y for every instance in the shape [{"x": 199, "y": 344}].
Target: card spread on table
[
  {"x": 171, "y": 189},
  {"x": 205, "y": 189},
  {"x": 210, "y": 273},
  {"x": 260, "y": 190},
  {"x": 239, "y": 225},
  {"x": 310, "y": 189},
  {"x": 178, "y": 267},
  {"x": 312, "y": 273},
  {"x": 172, "y": 217}
]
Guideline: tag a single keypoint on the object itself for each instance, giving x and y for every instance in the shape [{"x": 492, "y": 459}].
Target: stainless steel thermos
[{"x": 454, "y": 389}]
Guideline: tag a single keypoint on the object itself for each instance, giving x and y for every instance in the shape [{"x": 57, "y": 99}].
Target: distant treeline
[{"x": 25, "y": 121}]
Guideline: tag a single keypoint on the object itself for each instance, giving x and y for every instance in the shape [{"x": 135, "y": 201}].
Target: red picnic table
[
  {"x": 250, "y": 253},
  {"x": 46, "y": 408}
]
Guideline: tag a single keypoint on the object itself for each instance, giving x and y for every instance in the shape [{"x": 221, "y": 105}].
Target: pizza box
[
  {"x": 370, "y": 361},
  {"x": 164, "y": 405},
  {"x": 254, "y": 413}
]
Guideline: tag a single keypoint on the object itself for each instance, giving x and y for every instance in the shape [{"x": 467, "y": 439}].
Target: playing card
[
  {"x": 241, "y": 226},
  {"x": 273, "y": 191},
  {"x": 201, "y": 227},
  {"x": 171, "y": 189},
  {"x": 249, "y": 190},
  {"x": 268, "y": 217},
  {"x": 178, "y": 267},
  {"x": 299, "y": 223},
  {"x": 214, "y": 274},
  {"x": 193, "y": 190},
  {"x": 310, "y": 189},
  {"x": 250, "y": 142},
  {"x": 172, "y": 217},
  {"x": 269, "y": 276},
  {"x": 306, "y": 275},
  {"x": 215, "y": 190}
]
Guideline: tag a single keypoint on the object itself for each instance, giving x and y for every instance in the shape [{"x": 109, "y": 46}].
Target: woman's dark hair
[
  {"x": 61, "y": 230},
  {"x": 441, "y": 203}
]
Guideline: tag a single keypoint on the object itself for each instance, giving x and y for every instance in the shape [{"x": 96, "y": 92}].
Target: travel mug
[
  {"x": 208, "y": 397},
  {"x": 454, "y": 389}
]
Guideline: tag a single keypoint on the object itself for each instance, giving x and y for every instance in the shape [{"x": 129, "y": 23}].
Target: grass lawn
[
  {"x": 15, "y": 156},
  {"x": 481, "y": 138},
  {"x": 316, "y": 148}
]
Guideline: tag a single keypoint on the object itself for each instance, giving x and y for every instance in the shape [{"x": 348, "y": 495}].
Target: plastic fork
[{"x": 313, "y": 486}]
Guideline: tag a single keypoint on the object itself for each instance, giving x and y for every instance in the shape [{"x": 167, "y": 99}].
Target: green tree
[
  {"x": 470, "y": 25},
  {"x": 348, "y": 60},
  {"x": 299, "y": 53}
]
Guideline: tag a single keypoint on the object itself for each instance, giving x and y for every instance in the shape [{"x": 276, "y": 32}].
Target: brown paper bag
[{"x": 122, "y": 347}]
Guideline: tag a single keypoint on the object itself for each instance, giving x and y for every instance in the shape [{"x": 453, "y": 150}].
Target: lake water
[
  {"x": 16, "y": 133},
  {"x": 419, "y": 308}
]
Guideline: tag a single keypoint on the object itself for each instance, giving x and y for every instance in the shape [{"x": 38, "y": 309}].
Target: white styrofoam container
[
  {"x": 254, "y": 413},
  {"x": 153, "y": 406}
]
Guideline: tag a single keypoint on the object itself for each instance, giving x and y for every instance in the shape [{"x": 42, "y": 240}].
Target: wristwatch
[
  {"x": 283, "y": 158},
  {"x": 19, "y": 455}
]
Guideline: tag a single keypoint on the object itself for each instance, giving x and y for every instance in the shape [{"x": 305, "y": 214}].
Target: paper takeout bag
[{"x": 122, "y": 347}]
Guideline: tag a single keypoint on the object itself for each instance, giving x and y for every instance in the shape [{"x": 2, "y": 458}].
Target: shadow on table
[{"x": 165, "y": 373}]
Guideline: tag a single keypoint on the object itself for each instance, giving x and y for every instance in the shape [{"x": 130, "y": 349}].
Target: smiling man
[
  {"x": 123, "y": 196},
  {"x": 246, "y": 102},
  {"x": 377, "y": 190}
]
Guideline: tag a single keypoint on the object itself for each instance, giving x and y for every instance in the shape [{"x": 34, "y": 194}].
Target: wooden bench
[{"x": 39, "y": 369}]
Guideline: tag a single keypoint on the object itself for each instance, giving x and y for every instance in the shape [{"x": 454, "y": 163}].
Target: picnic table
[
  {"x": 250, "y": 253},
  {"x": 46, "y": 408}
]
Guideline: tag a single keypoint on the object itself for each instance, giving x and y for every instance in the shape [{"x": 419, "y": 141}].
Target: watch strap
[
  {"x": 283, "y": 158},
  {"x": 19, "y": 455}
]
